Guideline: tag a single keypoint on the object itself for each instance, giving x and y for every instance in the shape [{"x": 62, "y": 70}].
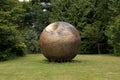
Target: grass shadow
[{"x": 72, "y": 61}]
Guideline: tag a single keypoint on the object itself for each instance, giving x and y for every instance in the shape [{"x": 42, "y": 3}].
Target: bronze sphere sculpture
[{"x": 60, "y": 42}]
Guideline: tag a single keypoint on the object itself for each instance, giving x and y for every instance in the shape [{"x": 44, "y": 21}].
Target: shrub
[
  {"x": 19, "y": 49},
  {"x": 87, "y": 47},
  {"x": 113, "y": 33},
  {"x": 11, "y": 43},
  {"x": 31, "y": 40}
]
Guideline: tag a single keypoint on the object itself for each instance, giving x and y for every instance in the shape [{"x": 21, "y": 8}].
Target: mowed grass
[{"x": 83, "y": 67}]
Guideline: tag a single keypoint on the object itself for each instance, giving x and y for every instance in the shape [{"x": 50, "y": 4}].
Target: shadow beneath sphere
[{"x": 72, "y": 61}]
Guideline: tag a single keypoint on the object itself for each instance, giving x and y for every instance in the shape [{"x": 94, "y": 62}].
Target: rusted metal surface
[{"x": 60, "y": 42}]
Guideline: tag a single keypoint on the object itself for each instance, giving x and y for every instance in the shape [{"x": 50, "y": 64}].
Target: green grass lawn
[{"x": 83, "y": 67}]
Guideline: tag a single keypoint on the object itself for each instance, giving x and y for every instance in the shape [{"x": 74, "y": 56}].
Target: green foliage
[
  {"x": 31, "y": 40},
  {"x": 11, "y": 43},
  {"x": 96, "y": 20},
  {"x": 72, "y": 11},
  {"x": 90, "y": 17},
  {"x": 12, "y": 12},
  {"x": 87, "y": 47},
  {"x": 113, "y": 33},
  {"x": 41, "y": 18},
  {"x": 29, "y": 14},
  {"x": 20, "y": 49}
]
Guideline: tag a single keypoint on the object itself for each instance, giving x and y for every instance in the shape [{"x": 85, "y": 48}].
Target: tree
[
  {"x": 90, "y": 17},
  {"x": 11, "y": 13},
  {"x": 94, "y": 31},
  {"x": 71, "y": 11},
  {"x": 113, "y": 33},
  {"x": 41, "y": 10},
  {"x": 113, "y": 28},
  {"x": 11, "y": 43}
]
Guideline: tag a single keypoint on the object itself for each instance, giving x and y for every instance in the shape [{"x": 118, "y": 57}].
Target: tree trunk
[{"x": 98, "y": 46}]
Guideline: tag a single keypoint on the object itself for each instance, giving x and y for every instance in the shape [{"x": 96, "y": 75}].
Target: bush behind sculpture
[
  {"x": 31, "y": 40},
  {"x": 11, "y": 43}
]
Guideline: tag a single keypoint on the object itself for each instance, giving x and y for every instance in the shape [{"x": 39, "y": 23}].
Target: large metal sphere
[{"x": 60, "y": 41}]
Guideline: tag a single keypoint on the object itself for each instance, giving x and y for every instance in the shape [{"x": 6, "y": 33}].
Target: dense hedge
[
  {"x": 31, "y": 40},
  {"x": 11, "y": 43}
]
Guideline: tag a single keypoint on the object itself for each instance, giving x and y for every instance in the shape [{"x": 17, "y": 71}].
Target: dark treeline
[{"x": 21, "y": 23}]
